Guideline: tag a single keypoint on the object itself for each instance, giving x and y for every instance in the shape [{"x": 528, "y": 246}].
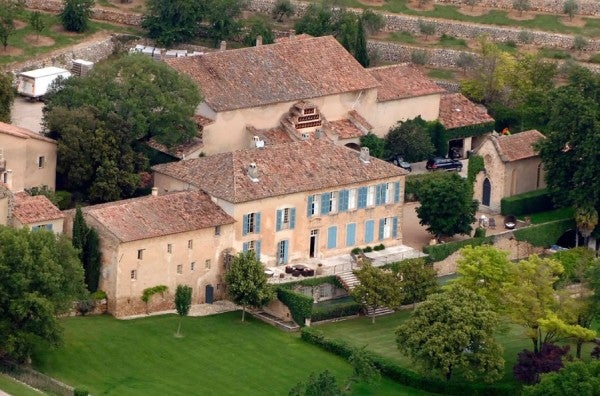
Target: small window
[
  {"x": 190, "y": 244},
  {"x": 179, "y": 269},
  {"x": 5, "y": 177},
  {"x": 352, "y": 199},
  {"x": 371, "y": 196},
  {"x": 133, "y": 274},
  {"x": 192, "y": 266},
  {"x": 41, "y": 161},
  {"x": 207, "y": 264},
  {"x": 140, "y": 254},
  {"x": 218, "y": 230},
  {"x": 169, "y": 248}
]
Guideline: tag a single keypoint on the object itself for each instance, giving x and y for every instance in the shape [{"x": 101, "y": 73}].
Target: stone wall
[
  {"x": 102, "y": 14},
  {"x": 586, "y": 7}
]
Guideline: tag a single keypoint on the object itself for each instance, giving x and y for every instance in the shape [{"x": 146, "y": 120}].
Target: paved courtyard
[{"x": 27, "y": 114}]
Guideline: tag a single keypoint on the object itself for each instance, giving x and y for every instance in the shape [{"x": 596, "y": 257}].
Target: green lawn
[
  {"x": 380, "y": 338},
  {"x": 15, "y": 388},
  {"x": 61, "y": 39},
  {"x": 219, "y": 355}
]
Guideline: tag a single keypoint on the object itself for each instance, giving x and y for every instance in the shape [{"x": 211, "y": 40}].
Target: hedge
[
  {"x": 545, "y": 234},
  {"x": 331, "y": 279},
  {"x": 300, "y": 306},
  {"x": 404, "y": 376},
  {"x": 440, "y": 251},
  {"x": 324, "y": 312},
  {"x": 526, "y": 203}
]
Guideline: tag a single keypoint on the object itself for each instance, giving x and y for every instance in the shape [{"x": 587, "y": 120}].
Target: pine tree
[{"x": 361, "y": 54}]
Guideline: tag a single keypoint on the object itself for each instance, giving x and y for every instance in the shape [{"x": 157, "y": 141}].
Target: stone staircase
[
  {"x": 274, "y": 321},
  {"x": 349, "y": 281}
]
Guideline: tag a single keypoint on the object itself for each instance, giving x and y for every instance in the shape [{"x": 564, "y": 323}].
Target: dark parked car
[
  {"x": 444, "y": 164},
  {"x": 399, "y": 161}
]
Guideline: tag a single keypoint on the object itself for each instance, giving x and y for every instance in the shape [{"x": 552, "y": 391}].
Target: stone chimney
[
  {"x": 253, "y": 172},
  {"x": 154, "y": 191},
  {"x": 319, "y": 133},
  {"x": 258, "y": 40},
  {"x": 223, "y": 46},
  {"x": 292, "y": 34},
  {"x": 364, "y": 155}
]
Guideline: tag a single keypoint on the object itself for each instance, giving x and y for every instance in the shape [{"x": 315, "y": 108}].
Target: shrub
[
  {"x": 368, "y": 249},
  {"x": 441, "y": 251},
  {"x": 98, "y": 295},
  {"x": 595, "y": 58},
  {"x": 150, "y": 291},
  {"x": 530, "y": 365},
  {"x": 356, "y": 251},
  {"x": 479, "y": 232},
  {"x": 381, "y": 246},
  {"x": 419, "y": 57},
  {"x": 64, "y": 199},
  {"x": 544, "y": 234},
  {"x": 526, "y": 203},
  {"x": 525, "y": 37},
  {"x": 80, "y": 392},
  {"x": 300, "y": 306},
  {"x": 327, "y": 311},
  {"x": 85, "y": 306}
]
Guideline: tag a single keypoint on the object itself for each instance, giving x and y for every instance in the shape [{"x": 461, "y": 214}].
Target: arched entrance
[{"x": 486, "y": 196}]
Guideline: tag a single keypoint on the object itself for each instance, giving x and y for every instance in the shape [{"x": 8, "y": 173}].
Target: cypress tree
[
  {"x": 361, "y": 54},
  {"x": 92, "y": 260},
  {"x": 80, "y": 231}
]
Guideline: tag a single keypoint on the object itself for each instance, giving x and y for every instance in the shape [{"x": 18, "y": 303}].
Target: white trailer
[{"x": 35, "y": 83}]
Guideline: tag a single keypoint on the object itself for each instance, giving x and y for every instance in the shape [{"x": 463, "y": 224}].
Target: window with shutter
[
  {"x": 351, "y": 234},
  {"x": 332, "y": 237},
  {"x": 369, "y": 231},
  {"x": 325, "y": 203}
]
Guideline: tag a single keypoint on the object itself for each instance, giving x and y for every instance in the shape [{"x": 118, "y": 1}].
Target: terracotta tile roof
[
  {"x": 518, "y": 146},
  {"x": 402, "y": 81},
  {"x": 22, "y": 133},
  {"x": 291, "y": 70},
  {"x": 353, "y": 115},
  {"x": 272, "y": 136},
  {"x": 457, "y": 111},
  {"x": 283, "y": 169},
  {"x": 181, "y": 151},
  {"x": 345, "y": 129},
  {"x": 36, "y": 209},
  {"x": 300, "y": 36},
  {"x": 203, "y": 121},
  {"x": 154, "y": 216}
]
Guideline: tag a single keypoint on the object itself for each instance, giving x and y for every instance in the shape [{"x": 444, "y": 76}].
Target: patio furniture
[
  {"x": 288, "y": 269},
  {"x": 295, "y": 273},
  {"x": 492, "y": 223},
  {"x": 510, "y": 222}
]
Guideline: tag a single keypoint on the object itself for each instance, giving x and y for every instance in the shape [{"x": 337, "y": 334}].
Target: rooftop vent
[
  {"x": 305, "y": 136},
  {"x": 259, "y": 40},
  {"x": 223, "y": 46},
  {"x": 154, "y": 191},
  {"x": 319, "y": 133},
  {"x": 364, "y": 155},
  {"x": 253, "y": 172},
  {"x": 256, "y": 142}
]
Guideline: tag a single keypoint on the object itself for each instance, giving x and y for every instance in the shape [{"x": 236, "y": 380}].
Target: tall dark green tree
[
  {"x": 411, "y": 139},
  {"x": 7, "y": 97},
  {"x": 447, "y": 206},
  {"x": 40, "y": 277},
  {"x": 259, "y": 26},
  {"x": 80, "y": 231},
  {"x": 223, "y": 16},
  {"x": 75, "y": 15},
  {"x": 360, "y": 47},
  {"x": 183, "y": 303},
  {"x": 92, "y": 260},
  {"x": 173, "y": 21}
]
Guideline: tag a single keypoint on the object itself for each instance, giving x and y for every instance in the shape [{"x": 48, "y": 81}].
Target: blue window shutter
[
  {"x": 369, "y": 230},
  {"x": 257, "y": 222},
  {"x": 378, "y": 195},
  {"x": 362, "y": 197},
  {"x": 292, "y": 218},
  {"x": 257, "y": 249},
  {"x": 343, "y": 204},
  {"x": 285, "y": 251},
  {"x": 395, "y": 227},
  {"x": 49, "y": 227},
  {"x": 278, "y": 221},
  {"x": 397, "y": 192},
  {"x": 309, "y": 207},
  {"x": 245, "y": 246},
  {"x": 245, "y": 225},
  {"x": 351, "y": 234},
  {"x": 325, "y": 203},
  {"x": 381, "y": 227},
  {"x": 331, "y": 237},
  {"x": 383, "y": 198}
]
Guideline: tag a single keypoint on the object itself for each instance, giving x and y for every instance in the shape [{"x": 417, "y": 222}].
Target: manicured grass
[
  {"x": 380, "y": 338},
  {"x": 15, "y": 388},
  {"x": 61, "y": 39},
  {"x": 218, "y": 355},
  {"x": 551, "y": 215}
]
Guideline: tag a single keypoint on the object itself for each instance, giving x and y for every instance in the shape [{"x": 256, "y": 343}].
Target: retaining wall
[
  {"x": 102, "y": 14},
  {"x": 586, "y": 7}
]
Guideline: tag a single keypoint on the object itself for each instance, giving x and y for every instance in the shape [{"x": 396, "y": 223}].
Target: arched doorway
[{"x": 486, "y": 196}]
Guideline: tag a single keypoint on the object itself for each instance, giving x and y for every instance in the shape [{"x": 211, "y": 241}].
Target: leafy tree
[
  {"x": 465, "y": 61},
  {"x": 586, "y": 218},
  {"x": 9, "y": 10},
  {"x": 525, "y": 36},
  {"x": 530, "y": 365},
  {"x": 521, "y": 5},
  {"x": 553, "y": 325},
  {"x": 323, "y": 384},
  {"x": 577, "y": 263},
  {"x": 223, "y": 17},
  {"x": 37, "y": 23},
  {"x": 411, "y": 139},
  {"x": 570, "y": 7},
  {"x": 377, "y": 289},
  {"x": 426, "y": 28},
  {"x": 484, "y": 270},
  {"x": 283, "y": 9},
  {"x": 317, "y": 21},
  {"x": 372, "y": 22},
  {"x": 530, "y": 296},
  {"x": 376, "y": 145},
  {"x": 258, "y": 26},
  {"x": 576, "y": 378},
  {"x": 247, "y": 282},
  {"x": 7, "y": 97},
  {"x": 419, "y": 57},
  {"x": 454, "y": 331},
  {"x": 363, "y": 368},
  {"x": 40, "y": 277},
  {"x": 75, "y": 15},
  {"x": 447, "y": 207},
  {"x": 418, "y": 280},
  {"x": 183, "y": 303},
  {"x": 172, "y": 21},
  {"x": 580, "y": 43}
]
